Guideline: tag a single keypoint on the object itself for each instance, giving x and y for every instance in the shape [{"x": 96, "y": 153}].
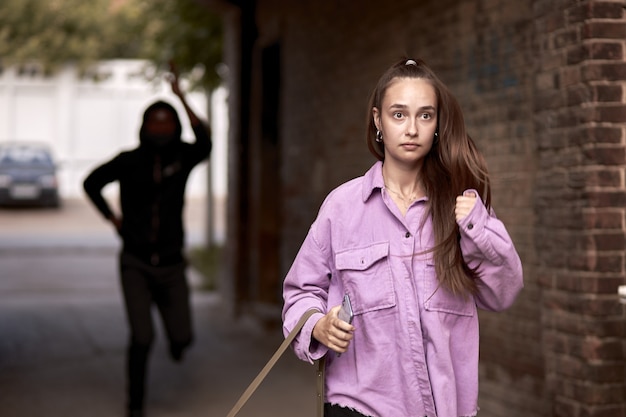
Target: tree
[
  {"x": 51, "y": 33},
  {"x": 187, "y": 33}
]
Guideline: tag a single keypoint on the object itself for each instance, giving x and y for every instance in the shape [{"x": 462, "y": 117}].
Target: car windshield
[{"x": 25, "y": 155}]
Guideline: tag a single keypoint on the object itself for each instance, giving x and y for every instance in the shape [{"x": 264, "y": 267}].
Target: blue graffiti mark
[{"x": 489, "y": 65}]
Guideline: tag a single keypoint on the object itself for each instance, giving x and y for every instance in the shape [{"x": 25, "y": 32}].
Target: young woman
[{"x": 417, "y": 248}]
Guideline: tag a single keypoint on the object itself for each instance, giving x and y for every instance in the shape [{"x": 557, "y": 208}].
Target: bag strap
[
  {"x": 321, "y": 371},
  {"x": 270, "y": 364}
]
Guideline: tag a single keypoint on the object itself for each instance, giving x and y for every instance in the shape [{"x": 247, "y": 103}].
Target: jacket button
[
  {"x": 408, "y": 235},
  {"x": 470, "y": 226}
]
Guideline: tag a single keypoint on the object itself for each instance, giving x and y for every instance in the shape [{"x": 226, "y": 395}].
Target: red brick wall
[
  {"x": 542, "y": 85},
  {"x": 579, "y": 116}
]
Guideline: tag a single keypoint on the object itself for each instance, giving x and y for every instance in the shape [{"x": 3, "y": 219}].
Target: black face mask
[
  {"x": 157, "y": 141},
  {"x": 161, "y": 127}
]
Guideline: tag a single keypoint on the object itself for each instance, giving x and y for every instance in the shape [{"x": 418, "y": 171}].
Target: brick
[
  {"x": 595, "y": 10},
  {"x": 606, "y": 10},
  {"x": 605, "y": 134},
  {"x": 611, "y": 410},
  {"x": 609, "y": 241},
  {"x": 595, "y": 177},
  {"x": 593, "y": 394},
  {"x": 611, "y": 114},
  {"x": 607, "y": 156},
  {"x": 609, "y": 264},
  {"x": 602, "y": 349},
  {"x": 594, "y": 50},
  {"x": 605, "y": 30},
  {"x": 579, "y": 94},
  {"x": 593, "y": 373},
  {"x": 546, "y": 22},
  {"x": 611, "y": 71},
  {"x": 609, "y": 178},
  {"x": 566, "y": 37},
  {"x": 595, "y": 134},
  {"x": 576, "y": 54},
  {"x": 549, "y": 64},
  {"x": 564, "y": 407},
  {"x": 548, "y": 99},
  {"x": 547, "y": 141},
  {"x": 571, "y": 118},
  {"x": 599, "y": 327},
  {"x": 570, "y": 75},
  {"x": 580, "y": 303},
  {"x": 592, "y": 262},
  {"x": 585, "y": 348},
  {"x": 600, "y": 199},
  {"x": 545, "y": 279},
  {"x": 570, "y": 224},
  {"x": 609, "y": 93},
  {"x": 603, "y": 219},
  {"x": 605, "y": 50}
]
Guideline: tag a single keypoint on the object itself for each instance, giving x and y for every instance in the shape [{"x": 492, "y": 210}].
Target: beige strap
[
  {"x": 270, "y": 364},
  {"x": 321, "y": 371}
]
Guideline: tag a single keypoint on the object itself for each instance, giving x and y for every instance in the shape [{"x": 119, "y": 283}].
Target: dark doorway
[{"x": 268, "y": 238}]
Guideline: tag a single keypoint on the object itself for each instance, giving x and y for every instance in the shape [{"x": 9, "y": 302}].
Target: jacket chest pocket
[
  {"x": 437, "y": 298},
  {"x": 366, "y": 276}
]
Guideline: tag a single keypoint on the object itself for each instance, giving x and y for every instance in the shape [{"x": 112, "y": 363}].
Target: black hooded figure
[{"x": 152, "y": 180}]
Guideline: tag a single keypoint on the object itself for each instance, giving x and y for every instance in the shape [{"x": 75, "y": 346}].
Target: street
[{"x": 63, "y": 331}]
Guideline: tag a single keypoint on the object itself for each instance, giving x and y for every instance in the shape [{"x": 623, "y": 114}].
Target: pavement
[{"x": 63, "y": 331}]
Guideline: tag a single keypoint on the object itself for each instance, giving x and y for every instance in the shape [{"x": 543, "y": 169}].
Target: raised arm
[
  {"x": 174, "y": 81},
  {"x": 201, "y": 128},
  {"x": 487, "y": 246}
]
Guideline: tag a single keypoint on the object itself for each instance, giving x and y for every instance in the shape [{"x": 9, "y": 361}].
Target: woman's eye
[
  {"x": 397, "y": 115},
  {"x": 426, "y": 116}
]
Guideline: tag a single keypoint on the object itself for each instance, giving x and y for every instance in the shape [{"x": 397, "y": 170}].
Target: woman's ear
[{"x": 376, "y": 117}]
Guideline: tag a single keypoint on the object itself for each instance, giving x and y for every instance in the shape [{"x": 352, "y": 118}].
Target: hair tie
[{"x": 410, "y": 62}]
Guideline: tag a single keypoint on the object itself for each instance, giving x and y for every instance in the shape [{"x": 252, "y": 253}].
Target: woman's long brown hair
[{"x": 453, "y": 165}]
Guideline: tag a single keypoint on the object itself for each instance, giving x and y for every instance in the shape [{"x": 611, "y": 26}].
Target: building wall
[
  {"x": 579, "y": 122},
  {"x": 541, "y": 83}
]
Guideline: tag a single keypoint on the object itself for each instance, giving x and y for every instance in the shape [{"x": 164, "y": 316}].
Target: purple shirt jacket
[{"x": 415, "y": 347}]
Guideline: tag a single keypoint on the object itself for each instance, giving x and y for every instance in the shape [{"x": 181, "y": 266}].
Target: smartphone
[{"x": 345, "y": 313}]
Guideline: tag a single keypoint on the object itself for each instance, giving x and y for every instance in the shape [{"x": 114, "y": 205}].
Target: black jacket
[{"x": 152, "y": 190}]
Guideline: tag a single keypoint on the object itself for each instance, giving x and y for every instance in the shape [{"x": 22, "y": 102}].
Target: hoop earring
[
  {"x": 436, "y": 136},
  {"x": 379, "y": 136}
]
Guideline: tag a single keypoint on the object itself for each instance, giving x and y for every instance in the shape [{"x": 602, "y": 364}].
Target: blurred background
[
  {"x": 542, "y": 87},
  {"x": 77, "y": 77}
]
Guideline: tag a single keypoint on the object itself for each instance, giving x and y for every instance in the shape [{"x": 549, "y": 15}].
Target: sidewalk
[{"x": 64, "y": 336}]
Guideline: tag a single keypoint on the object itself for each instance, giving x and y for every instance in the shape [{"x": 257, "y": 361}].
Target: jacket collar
[{"x": 373, "y": 179}]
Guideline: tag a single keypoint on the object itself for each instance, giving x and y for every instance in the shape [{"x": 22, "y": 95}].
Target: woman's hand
[
  {"x": 333, "y": 332},
  {"x": 464, "y": 204}
]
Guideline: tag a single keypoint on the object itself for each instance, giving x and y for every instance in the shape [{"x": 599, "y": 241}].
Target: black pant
[
  {"x": 334, "y": 410},
  {"x": 167, "y": 288}
]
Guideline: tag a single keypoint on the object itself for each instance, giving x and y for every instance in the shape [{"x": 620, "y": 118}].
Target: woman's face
[{"x": 407, "y": 120}]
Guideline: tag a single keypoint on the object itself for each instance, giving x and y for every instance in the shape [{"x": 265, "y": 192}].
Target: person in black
[{"x": 152, "y": 179}]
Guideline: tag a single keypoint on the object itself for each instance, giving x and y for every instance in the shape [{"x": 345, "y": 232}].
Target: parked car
[{"x": 27, "y": 175}]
